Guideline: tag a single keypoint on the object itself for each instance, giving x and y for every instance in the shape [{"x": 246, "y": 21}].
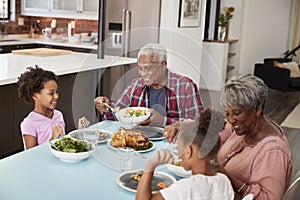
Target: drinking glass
[
  {"x": 125, "y": 156},
  {"x": 91, "y": 137}
]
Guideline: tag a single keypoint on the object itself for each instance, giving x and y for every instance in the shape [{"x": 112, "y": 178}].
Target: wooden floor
[{"x": 277, "y": 107}]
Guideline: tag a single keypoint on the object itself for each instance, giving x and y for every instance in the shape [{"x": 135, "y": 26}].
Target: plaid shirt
[{"x": 182, "y": 99}]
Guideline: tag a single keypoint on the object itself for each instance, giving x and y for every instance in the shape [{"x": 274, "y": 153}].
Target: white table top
[
  {"x": 37, "y": 174},
  {"x": 13, "y": 65}
]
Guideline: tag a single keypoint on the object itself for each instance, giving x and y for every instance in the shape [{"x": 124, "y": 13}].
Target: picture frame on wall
[{"x": 189, "y": 13}]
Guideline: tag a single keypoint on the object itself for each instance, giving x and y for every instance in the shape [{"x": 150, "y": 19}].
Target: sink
[{"x": 8, "y": 40}]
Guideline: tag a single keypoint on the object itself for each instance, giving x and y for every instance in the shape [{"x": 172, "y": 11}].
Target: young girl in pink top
[{"x": 44, "y": 123}]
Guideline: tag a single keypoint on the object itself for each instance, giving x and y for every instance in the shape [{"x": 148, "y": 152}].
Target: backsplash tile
[{"x": 81, "y": 26}]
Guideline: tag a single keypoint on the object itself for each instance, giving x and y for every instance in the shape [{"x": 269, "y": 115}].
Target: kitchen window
[{"x": 4, "y": 10}]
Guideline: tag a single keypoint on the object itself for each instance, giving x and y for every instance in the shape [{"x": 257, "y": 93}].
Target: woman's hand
[{"x": 99, "y": 103}]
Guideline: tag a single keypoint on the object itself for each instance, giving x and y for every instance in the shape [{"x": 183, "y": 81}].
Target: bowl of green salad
[{"x": 71, "y": 150}]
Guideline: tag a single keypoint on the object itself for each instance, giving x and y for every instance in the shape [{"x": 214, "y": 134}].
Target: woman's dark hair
[
  {"x": 204, "y": 132},
  {"x": 32, "y": 81}
]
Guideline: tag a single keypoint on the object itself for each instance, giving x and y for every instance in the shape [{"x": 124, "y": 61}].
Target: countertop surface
[
  {"x": 13, "y": 65},
  {"x": 24, "y": 39}
]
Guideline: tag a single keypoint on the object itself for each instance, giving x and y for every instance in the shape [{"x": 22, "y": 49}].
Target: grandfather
[{"x": 171, "y": 96}]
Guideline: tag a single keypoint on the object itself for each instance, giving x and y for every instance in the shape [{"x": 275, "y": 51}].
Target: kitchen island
[{"x": 78, "y": 82}]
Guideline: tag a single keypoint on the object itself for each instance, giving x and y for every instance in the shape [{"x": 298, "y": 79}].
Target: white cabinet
[{"x": 77, "y": 9}]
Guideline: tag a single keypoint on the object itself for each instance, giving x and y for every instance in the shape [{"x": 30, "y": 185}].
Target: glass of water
[
  {"x": 125, "y": 156},
  {"x": 91, "y": 137}
]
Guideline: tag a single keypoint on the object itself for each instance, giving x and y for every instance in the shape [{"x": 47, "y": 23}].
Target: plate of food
[
  {"x": 152, "y": 132},
  {"x": 104, "y": 136},
  {"x": 177, "y": 169},
  {"x": 131, "y": 138},
  {"x": 70, "y": 150},
  {"x": 132, "y": 116},
  {"x": 130, "y": 180}
]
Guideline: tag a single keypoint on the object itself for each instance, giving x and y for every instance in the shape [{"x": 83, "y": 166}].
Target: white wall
[
  {"x": 183, "y": 44},
  {"x": 262, "y": 28}
]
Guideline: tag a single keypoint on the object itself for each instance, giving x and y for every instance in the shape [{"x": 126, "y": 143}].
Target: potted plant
[{"x": 224, "y": 19}]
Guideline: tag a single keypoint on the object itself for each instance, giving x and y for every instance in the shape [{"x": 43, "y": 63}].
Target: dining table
[{"x": 36, "y": 174}]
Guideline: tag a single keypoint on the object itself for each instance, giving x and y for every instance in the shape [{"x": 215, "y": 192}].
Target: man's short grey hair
[
  {"x": 158, "y": 52},
  {"x": 246, "y": 90}
]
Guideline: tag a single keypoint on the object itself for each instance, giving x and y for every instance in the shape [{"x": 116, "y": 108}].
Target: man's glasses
[{"x": 148, "y": 68}]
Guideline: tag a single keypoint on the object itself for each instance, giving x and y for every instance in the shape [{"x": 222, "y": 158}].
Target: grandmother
[{"x": 255, "y": 153}]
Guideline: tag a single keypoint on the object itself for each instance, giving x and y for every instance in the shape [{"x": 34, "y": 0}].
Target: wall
[
  {"x": 80, "y": 25},
  {"x": 183, "y": 44},
  {"x": 262, "y": 28}
]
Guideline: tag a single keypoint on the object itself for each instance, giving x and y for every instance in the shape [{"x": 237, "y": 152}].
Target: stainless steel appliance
[{"x": 129, "y": 25}]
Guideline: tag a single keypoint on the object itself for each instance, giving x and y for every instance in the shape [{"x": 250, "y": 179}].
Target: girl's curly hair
[
  {"x": 204, "y": 132},
  {"x": 32, "y": 81}
]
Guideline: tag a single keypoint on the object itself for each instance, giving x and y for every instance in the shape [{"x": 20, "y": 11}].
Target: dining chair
[
  {"x": 248, "y": 197},
  {"x": 293, "y": 192}
]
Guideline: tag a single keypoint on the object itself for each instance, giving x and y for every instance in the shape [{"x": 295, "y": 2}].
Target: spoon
[
  {"x": 53, "y": 145},
  {"x": 112, "y": 109}
]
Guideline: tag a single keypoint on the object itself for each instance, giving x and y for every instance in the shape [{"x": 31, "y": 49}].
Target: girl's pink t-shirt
[{"x": 40, "y": 126}]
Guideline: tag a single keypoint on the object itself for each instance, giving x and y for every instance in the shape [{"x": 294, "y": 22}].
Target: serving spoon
[
  {"x": 53, "y": 145},
  {"x": 112, "y": 110}
]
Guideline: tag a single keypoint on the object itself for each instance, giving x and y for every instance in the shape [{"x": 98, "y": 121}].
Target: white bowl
[
  {"x": 131, "y": 121},
  {"x": 179, "y": 171},
  {"x": 70, "y": 157}
]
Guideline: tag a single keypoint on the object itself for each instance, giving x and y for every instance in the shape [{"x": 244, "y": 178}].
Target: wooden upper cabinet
[{"x": 77, "y": 9}]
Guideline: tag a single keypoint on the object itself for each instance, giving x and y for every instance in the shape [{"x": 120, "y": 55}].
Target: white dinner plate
[
  {"x": 125, "y": 181},
  {"x": 140, "y": 151},
  {"x": 104, "y": 136},
  {"x": 152, "y": 132}
]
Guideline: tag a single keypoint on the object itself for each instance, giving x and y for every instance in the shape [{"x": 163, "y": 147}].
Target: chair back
[
  {"x": 248, "y": 197},
  {"x": 293, "y": 192}
]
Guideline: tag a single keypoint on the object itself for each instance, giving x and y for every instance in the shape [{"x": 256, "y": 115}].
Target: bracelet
[{"x": 241, "y": 188}]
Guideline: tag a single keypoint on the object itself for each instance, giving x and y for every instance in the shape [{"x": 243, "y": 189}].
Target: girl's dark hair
[
  {"x": 32, "y": 81},
  {"x": 204, "y": 132}
]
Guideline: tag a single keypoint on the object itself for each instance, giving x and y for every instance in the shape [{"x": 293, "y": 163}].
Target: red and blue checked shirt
[{"x": 182, "y": 99}]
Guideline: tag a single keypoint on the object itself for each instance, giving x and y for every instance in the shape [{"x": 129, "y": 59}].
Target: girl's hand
[
  {"x": 56, "y": 132},
  {"x": 163, "y": 156},
  {"x": 83, "y": 122}
]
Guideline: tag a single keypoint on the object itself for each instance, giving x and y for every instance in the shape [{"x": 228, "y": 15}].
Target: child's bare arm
[{"x": 144, "y": 188}]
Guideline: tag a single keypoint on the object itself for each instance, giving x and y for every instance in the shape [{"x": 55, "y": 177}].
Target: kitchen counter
[
  {"x": 80, "y": 80},
  {"x": 13, "y": 65},
  {"x": 24, "y": 39}
]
